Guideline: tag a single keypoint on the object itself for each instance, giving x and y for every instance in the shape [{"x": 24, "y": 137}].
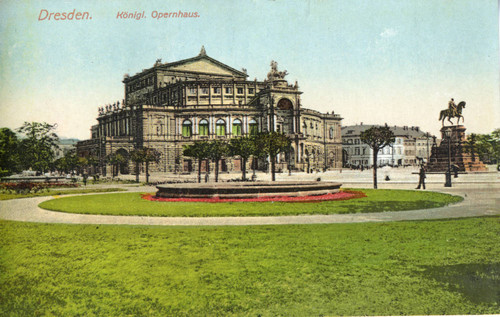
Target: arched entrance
[{"x": 284, "y": 111}]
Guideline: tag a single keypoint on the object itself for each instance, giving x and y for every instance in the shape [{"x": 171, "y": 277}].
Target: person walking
[{"x": 421, "y": 179}]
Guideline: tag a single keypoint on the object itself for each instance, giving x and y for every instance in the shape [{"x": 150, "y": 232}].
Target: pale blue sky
[{"x": 371, "y": 61}]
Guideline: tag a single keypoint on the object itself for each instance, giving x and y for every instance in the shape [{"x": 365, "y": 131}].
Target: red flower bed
[{"x": 342, "y": 195}]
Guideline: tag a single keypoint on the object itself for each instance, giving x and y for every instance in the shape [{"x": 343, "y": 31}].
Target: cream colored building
[{"x": 173, "y": 104}]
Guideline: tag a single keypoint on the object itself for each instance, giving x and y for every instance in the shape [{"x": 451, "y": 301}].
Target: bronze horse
[{"x": 446, "y": 113}]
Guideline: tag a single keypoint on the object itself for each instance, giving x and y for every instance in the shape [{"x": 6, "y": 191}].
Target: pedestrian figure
[
  {"x": 85, "y": 179},
  {"x": 421, "y": 179}
]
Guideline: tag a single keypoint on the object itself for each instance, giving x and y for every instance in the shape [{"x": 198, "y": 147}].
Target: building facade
[
  {"x": 173, "y": 104},
  {"x": 410, "y": 147}
]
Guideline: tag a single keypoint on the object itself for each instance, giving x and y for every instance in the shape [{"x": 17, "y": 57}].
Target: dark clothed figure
[
  {"x": 452, "y": 107},
  {"x": 421, "y": 179}
]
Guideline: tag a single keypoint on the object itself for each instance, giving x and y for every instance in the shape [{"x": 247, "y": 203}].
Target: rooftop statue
[
  {"x": 203, "y": 52},
  {"x": 274, "y": 73},
  {"x": 453, "y": 111}
]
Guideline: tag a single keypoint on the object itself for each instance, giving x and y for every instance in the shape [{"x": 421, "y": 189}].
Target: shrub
[{"x": 31, "y": 187}]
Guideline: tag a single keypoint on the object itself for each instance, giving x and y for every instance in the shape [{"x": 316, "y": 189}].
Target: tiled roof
[{"x": 408, "y": 131}]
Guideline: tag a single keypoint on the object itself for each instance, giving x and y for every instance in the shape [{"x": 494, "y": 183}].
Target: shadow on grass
[
  {"x": 477, "y": 282},
  {"x": 381, "y": 206}
]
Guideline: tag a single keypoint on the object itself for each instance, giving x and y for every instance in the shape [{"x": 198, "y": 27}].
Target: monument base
[
  {"x": 452, "y": 151},
  {"x": 244, "y": 190}
]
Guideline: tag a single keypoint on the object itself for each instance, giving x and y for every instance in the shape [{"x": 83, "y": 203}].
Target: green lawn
[
  {"x": 399, "y": 268},
  {"x": 56, "y": 191},
  {"x": 132, "y": 204}
]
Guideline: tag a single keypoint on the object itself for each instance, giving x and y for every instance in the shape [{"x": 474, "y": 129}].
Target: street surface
[{"x": 481, "y": 194}]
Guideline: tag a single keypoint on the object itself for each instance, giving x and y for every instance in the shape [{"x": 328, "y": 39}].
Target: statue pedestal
[{"x": 452, "y": 149}]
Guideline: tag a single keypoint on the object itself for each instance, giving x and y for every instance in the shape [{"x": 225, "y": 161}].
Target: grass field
[
  {"x": 132, "y": 204},
  {"x": 400, "y": 268},
  {"x": 55, "y": 192}
]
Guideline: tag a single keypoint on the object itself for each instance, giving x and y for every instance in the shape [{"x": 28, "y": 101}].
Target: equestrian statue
[{"x": 453, "y": 111}]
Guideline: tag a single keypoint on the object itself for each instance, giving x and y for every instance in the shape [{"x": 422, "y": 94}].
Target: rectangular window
[
  {"x": 229, "y": 90},
  {"x": 204, "y": 91},
  {"x": 186, "y": 130},
  {"x": 192, "y": 91},
  {"x": 203, "y": 129},
  {"x": 236, "y": 129},
  {"x": 254, "y": 129},
  {"x": 240, "y": 91},
  {"x": 221, "y": 129},
  {"x": 250, "y": 91},
  {"x": 216, "y": 90}
]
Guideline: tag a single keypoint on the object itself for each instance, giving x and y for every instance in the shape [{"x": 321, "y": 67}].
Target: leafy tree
[
  {"x": 38, "y": 146},
  {"x": 137, "y": 156},
  {"x": 69, "y": 162},
  {"x": 471, "y": 146},
  {"x": 200, "y": 151},
  {"x": 258, "y": 150},
  {"x": 272, "y": 144},
  {"x": 377, "y": 138},
  {"x": 9, "y": 158},
  {"x": 115, "y": 159},
  {"x": 145, "y": 155},
  {"x": 82, "y": 164},
  {"x": 150, "y": 155},
  {"x": 487, "y": 146},
  {"x": 217, "y": 149},
  {"x": 495, "y": 144},
  {"x": 243, "y": 147},
  {"x": 93, "y": 161}
]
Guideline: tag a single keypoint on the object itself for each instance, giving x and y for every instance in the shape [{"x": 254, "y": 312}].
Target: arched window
[
  {"x": 285, "y": 104},
  {"x": 253, "y": 127},
  {"x": 237, "y": 127},
  {"x": 220, "y": 127},
  {"x": 203, "y": 128},
  {"x": 187, "y": 128}
]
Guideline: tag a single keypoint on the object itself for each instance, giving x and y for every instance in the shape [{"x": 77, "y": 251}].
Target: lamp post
[
  {"x": 289, "y": 161},
  {"x": 427, "y": 135},
  {"x": 447, "y": 183}
]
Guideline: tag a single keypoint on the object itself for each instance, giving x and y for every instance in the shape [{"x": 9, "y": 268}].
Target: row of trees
[
  {"x": 486, "y": 146},
  {"x": 258, "y": 146},
  {"x": 139, "y": 156},
  {"x": 32, "y": 146}
]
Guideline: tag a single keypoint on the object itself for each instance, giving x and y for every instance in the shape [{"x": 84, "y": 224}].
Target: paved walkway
[{"x": 480, "y": 200}]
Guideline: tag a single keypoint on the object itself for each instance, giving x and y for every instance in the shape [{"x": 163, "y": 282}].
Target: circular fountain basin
[{"x": 243, "y": 190}]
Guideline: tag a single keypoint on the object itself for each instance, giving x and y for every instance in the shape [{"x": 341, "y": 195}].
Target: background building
[
  {"x": 173, "y": 104},
  {"x": 411, "y": 146}
]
